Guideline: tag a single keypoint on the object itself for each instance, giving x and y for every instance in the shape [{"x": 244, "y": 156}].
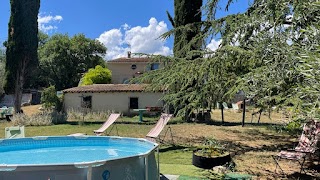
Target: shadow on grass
[
  {"x": 117, "y": 122},
  {"x": 219, "y": 123},
  {"x": 297, "y": 175},
  {"x": 167, "y": 148}
]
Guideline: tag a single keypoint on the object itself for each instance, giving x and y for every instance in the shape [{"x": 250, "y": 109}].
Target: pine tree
[{"x": 22, "y": 45}]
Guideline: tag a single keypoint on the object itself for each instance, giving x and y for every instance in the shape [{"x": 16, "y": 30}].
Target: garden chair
[
  {"x": 235, "y": 107},
  {"x": 112, "y": 118},
  {"x": 225, "y": 105},
  {"x": 156, "y": 130},
  {"x": 14, "y": 132},
  {"x": 306, "y": 147}
]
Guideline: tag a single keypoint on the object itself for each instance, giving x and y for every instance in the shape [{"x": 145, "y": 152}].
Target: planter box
[{"x": 210, "y": 162}]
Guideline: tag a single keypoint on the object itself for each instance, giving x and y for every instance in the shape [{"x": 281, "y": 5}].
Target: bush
[
  {"x": 76, "y": 115},
  {"x": 50, "y": 100},
  {"x": 293, "y": 127},
  {"x": 34, "y": 120},
  {"x": 97, "y": 75},
  {"x": 46, "y": 118}
]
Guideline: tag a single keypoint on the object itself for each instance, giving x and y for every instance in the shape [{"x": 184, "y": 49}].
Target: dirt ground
[{"x": 30, "y": 110}]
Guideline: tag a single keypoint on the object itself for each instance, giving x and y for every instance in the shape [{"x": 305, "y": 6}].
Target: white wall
[
  {"x": 122, "y": 71},
  {"x": 116, "y": 101}
]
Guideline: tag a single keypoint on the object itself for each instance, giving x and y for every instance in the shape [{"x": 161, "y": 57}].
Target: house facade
[
  {"x": 114, "y": 97},
  {"x": 129, "y": 67}
]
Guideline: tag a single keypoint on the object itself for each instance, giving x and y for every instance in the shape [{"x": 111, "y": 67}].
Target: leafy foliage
[
  {"x": 270, "y": 52},
  {"x": 97, "y": 75},
  {"x": 63, "y": 60},
  {"x": 50, "y": 99}
]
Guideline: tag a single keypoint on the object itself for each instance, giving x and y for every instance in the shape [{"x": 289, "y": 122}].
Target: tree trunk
[
  {"x": 19, "y": 86},
  {"x": 222, "y": 115},
  {"x": 18, "y": 94},
  {"x": 187, "y": 115},
  {"x": 259, "y": 117},
  {"x": 244, "y": 112}
]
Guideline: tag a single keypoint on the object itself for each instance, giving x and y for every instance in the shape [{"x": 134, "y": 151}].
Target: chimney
[{"x": 129, "y": 54}]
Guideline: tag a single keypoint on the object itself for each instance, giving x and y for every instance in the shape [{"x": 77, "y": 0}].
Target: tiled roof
[
  {"x": 107, "y": 88},
  {"x": 130, "y": 60}
]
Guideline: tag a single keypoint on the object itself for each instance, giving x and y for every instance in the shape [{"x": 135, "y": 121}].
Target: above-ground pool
[{"x": 78, "y": 157}]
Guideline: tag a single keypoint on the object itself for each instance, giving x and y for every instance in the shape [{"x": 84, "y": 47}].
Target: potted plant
[{"x": 211, "y": 154}]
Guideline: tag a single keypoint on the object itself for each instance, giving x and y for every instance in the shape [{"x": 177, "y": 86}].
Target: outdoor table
[
  {"x": 3, "y": 111},
  {"x": 140, "y": 113}
]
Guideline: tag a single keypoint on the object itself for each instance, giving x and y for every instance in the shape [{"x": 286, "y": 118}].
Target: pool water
[{"x": 69, "y": 150}]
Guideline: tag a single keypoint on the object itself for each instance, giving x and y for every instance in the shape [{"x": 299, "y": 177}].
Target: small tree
[
  {"x": 49, "y": 98},
  {"x": 97, "y": 75}
]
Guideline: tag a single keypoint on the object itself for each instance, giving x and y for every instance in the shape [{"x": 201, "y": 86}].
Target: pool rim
[{"x": 12, "y": 167}]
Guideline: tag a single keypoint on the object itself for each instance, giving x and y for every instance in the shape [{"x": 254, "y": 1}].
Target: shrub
[
  {"x": 43, "y": 119},
  {"x": 97, "y": 75},
  {"x": 77, "y": 115},
  {"x": 50, "y": 99},
  {"x": 46, "y": 118}
]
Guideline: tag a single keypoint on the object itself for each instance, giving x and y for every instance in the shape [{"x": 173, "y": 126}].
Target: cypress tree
[
  {"x": 186, "y": 13},
  {"x": 22, "y": 45}
]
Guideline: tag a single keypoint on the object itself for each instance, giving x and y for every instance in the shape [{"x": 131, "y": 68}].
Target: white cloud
[
  {"x": 48, "y": 23},
  {"x": 136, "y": 39},
  {"x": 214, "y": 44}
]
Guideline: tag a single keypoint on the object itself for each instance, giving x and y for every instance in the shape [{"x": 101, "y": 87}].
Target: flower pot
[{"x": 209, "y": 162}]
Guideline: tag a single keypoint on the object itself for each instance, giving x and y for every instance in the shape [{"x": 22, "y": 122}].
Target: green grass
[{"x": 178, "y": 160}]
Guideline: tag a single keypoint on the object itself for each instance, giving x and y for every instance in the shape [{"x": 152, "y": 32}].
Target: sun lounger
[{"x": 156, "y": 130}]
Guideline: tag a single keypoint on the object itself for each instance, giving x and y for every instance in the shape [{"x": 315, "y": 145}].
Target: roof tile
[
  {"x": 130, "y": 60},
  {"x": 107, "y": 88}
]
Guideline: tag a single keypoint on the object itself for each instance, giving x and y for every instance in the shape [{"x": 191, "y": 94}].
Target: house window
[
  {"x": 134, "y": 103},
  {"x": 154, "y": 66},
  {"x": 133, "y": 66},
  {"x": 86, "y": 102}
]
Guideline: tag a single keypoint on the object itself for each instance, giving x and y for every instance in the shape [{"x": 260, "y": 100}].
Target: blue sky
[{"x": 114, "y": 23}]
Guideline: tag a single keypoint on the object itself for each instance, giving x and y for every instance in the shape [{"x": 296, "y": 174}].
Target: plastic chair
[{"x": 14, "y": 132}]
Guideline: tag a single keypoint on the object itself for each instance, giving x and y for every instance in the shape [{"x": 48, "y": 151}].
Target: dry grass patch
[
  {"x": 233, "y": 116},
  {"x": 31, "y": 110}
]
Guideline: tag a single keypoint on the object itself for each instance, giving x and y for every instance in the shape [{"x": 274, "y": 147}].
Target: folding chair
[
  {"x": 307, "y": 146},
  {"x": 111, "y": 119},
  {"x": 156, "y": 130}
]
